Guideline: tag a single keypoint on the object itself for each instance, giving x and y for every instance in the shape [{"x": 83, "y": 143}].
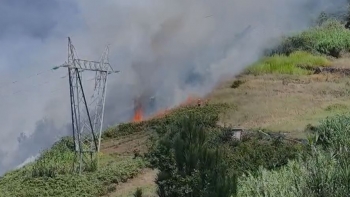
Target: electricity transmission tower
[{"x": 87, "y": 118}]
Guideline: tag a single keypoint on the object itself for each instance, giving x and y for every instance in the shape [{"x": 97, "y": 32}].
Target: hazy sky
[{"x": 168, "y": 49}]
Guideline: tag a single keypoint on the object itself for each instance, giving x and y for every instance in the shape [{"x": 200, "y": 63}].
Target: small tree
[
  {"x": 138, "y": 192},
  {"x": 189, "y": 165}
]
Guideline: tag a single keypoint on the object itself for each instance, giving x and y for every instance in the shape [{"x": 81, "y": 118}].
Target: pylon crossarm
[{"x": 81, "y": 68}]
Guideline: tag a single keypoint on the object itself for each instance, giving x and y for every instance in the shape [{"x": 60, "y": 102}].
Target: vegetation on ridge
[
  {"x": 324, "y": 172},
  {"x": 329, "y": 38},
  {"x": 297, "y": 63}
]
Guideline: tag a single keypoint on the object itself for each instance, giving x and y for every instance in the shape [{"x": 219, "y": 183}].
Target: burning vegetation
[
  {"x": 139, "y": 108},
  {"x": 138, "y": 111}
]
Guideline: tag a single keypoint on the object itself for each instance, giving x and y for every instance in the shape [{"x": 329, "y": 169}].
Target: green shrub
[
  {"x": 268, "y": 150},
  {"x": 328, "y": 165},
  {"x": 20, "y": 183},
  {"x": 330, "y": 38},
  {"x": 138, "y": 192},
  {"x": 319, "y": 175},
  {"x": 333, "y": 133},
  {"x": 297, "y": 63},
  {"x": 189, "y": 165},
  {"x": 287, "y": 181},
  {"x": 235, "y": 84},
  {"x": 57, "y": 160},
  {"x": 323, "y": 171}
]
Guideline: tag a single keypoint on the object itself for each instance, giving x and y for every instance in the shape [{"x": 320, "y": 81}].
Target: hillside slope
[
  {"x": 287, "y": 92},
  {"x": 277, "y": 102},
  {"x": 280, "y": 102}
]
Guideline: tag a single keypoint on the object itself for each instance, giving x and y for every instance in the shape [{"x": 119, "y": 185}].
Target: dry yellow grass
[
  {"x": 283, "y": 102},
  {"x": 342, "y": 62}
]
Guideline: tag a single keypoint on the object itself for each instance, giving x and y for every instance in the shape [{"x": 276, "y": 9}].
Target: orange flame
[{"x": 138, "y": 116}]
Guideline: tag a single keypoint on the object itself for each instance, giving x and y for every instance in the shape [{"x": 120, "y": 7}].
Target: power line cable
[
  {"x": 35, "y": 86},
  {"x": 28, "y": 77},
  {"x": 26, "y": 90},
  {"x": 25, "y": 78},
  {"x": 36, "y": 74},
  {"x": 25, "y": 98}
]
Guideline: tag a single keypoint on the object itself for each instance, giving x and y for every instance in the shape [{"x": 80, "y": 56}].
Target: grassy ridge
[
  {"x": 160, "y": 123},
  {"x": 297, "y": 63}
]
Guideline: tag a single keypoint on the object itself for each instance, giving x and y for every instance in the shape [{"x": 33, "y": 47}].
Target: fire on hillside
[{"x": 140, "y": 107}]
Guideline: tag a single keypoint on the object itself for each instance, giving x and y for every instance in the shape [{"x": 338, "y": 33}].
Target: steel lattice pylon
[{"x": 87, "y": 118}]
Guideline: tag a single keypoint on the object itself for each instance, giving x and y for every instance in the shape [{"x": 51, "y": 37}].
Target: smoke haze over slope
[{"x": 167, "y": 49}]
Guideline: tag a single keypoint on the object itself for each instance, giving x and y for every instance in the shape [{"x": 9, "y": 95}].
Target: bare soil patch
[{"x": 144, "y": 181}]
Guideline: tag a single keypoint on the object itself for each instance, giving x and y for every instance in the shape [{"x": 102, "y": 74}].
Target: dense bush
[
  {"x": 325, "y": 171},
  {"x": 188, "y": 163},
  {"x": 285, "y": 182},
  {"x": 259, "y": 150},
  {"x": 330, "y": 38},
  {"x": 333, "y": 133},
  {"x": 319, "y": 175}
]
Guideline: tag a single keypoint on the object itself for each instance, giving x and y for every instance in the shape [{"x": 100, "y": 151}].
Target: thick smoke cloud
[
  {"x": 164, "y": 49},
  {"x": 33, "y": 99},
  {"x": 175, "y": 48}
]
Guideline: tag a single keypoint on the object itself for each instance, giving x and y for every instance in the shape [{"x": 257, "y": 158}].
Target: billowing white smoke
[
  {"x": 167, "y": 49},
  {"x": 173, "y": 48}
]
